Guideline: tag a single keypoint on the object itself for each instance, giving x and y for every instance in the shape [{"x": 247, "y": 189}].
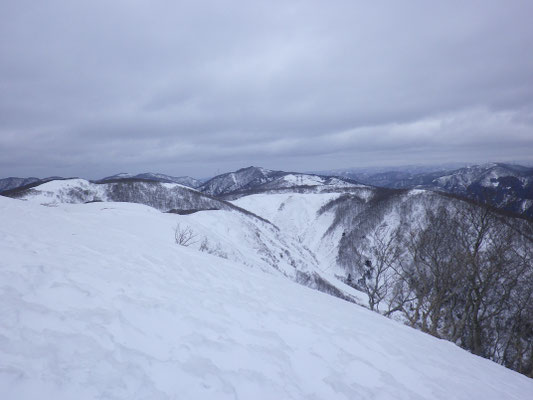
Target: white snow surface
[
  {"x": 57, "y": 191},
  {"x": 249, "y": 241},
  {"x": 311, "y": 180},
  {"x": 296, "y": 214},
  {"x": 98, "y": 302}
]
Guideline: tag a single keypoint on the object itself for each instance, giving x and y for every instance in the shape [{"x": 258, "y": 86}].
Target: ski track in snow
[{"x": 98, "y": 302}]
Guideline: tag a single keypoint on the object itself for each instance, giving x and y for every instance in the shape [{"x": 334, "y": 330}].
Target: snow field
[{"x": 97, "y": 301}]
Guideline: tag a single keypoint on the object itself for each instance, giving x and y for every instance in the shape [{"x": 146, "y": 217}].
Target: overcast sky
[{"x": 92, "y": 88}]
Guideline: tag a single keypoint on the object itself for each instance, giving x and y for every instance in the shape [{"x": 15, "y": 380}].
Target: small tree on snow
[
  {"x": 184, "y": 236},
  {"x": 378, "y": 266}
]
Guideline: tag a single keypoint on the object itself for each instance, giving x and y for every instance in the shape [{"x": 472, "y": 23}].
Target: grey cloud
[{"x": 189, "y": 87}]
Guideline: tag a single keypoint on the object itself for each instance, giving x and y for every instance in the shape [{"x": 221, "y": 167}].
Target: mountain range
[
  {"x": 427, "y": 256},
  {"x": 504, "y": 186},
  {"x": 182, "y": 180}
]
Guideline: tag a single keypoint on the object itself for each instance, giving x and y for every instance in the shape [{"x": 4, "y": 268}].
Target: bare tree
[
  {"x": 184, "y": 236},
  {"x": 467, "y": 276},
  {"x": 375, "y": 261}
]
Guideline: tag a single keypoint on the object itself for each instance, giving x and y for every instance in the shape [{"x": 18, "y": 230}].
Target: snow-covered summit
[
  {"x": 244, "y": 178},
  {"x": 485, "y": 175},
  {"x": 12, "y": 182},
  {"x": 506, "y": 186},
  {"x": 299, "y": 180},
  {"x": 256, "y": 178},
  {"x": 182, "y": 180}
]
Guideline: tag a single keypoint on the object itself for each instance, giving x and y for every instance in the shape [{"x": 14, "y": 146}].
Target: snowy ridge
[
  {"x": 257, "y": 244},
  {"x": 182, "y": 180},
  {"x": 99, "y": 302},
  {"x": 505, "y": 186},
  {"x": 260, "y": 179},
  {"x": 297, "y": 216},
  {"x": 330, "y": 223},
  {"x": 295, "y": 180},
  {"x": 235, "y": 234},
  {"x": 163, "y": 196},
  {"x": 12, "y": 183},
  {"x": 242, "y": 179}
]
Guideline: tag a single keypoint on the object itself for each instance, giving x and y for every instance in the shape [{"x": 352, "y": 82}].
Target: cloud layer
[{"x": 93, "y": 88}]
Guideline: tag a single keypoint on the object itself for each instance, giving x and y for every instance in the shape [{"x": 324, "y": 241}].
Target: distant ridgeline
[{"x": 504, "y": 186}]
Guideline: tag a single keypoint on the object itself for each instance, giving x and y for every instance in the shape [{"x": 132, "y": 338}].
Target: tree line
[{"x": 463, "y": 274}]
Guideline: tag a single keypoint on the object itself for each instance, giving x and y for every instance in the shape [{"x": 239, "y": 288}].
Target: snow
[
  {"x": 416, "y": 192},
  {"x": 58, "y": 191},
  {"x": 291, "y": 180},
  {"x": 297, "y": 180},
  {"x": 123, "y": 175},
  {"x": 249, "y": 241},
  {"x": 169, "y": 185},
  {"x": 164, "y": 196},
  {"x": 297, "y": 216},
  {"x": 97, "y": 301}
]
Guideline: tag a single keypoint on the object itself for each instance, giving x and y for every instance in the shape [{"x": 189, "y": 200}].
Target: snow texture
[{"x": 99, "y": 302}]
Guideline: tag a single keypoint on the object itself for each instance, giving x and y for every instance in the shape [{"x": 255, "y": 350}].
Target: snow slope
[
  {"x": 12, "y": 182},
  {"x": 99, "y": 302},
  {"x": 296, "y": 214},
  {"x": 329, "y": 223},
  {"x": 182, "y": 180},
  {"x": 163, "y": 196},
  {"x": 249, "y": 241},
  {"x": 236, "y": 234},
  {"x": 244, "y": 178},
  {"x": 259, "y": 179}
]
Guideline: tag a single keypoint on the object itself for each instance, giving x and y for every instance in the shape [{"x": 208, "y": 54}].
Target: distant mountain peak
[
  {"x": 158, "y": 177},
  {"x": 258, "y": 178}
]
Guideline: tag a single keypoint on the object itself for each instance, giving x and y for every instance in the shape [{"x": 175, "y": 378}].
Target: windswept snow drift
[{"x": 99, "y": 302}]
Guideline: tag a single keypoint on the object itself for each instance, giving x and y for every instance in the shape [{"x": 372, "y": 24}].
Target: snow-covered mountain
[
  {"x": 389, "y": 176},
  {"x": 12, "y": 183},
  {"x": 508, "y": 187},
  {"x": 259, "y": 179},
  {"x": 378, "y": 240},
  {"x": 487, "y": 175},
  {"x": 162, "y": 196},
  {"x": 331, "y": 234},
  {"x": 328, "y": 222},
  {"x": 275, "y": 250},
  {"x": 242, "y": 179},
  {"x": 15, "y": 183},
  {"x": 182, "y": 180},
  {"x": 505, "y": 186},
  {"x": 98, "y": 301}
]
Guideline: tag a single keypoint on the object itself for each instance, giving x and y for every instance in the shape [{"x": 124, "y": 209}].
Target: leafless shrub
[
  {"x": 215, "y": 250},
  {"x": 185, "y": 236}
]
